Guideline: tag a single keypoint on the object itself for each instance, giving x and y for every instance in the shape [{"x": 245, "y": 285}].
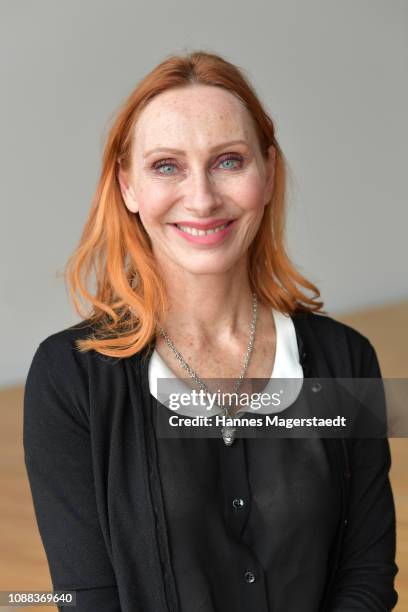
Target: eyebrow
[{"x": 181, "y": 152}]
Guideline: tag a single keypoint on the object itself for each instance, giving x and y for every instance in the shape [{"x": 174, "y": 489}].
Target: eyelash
[{"x": 169, "y": 162}]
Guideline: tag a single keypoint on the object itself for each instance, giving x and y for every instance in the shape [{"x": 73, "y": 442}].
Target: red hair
[{"x": 129, "y": 298}]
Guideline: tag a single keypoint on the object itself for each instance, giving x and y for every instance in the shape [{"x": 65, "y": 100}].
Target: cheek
[
  {"x": 154, "y": 202},
  {"x": 249, "y": 193}
]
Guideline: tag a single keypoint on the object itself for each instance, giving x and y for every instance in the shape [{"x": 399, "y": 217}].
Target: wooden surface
[{"x": 23, "y": 564}]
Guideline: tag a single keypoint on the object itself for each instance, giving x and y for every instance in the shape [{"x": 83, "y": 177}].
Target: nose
[{"x": 201, "y": 197}]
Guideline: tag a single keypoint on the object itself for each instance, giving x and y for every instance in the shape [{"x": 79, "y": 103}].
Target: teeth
[{"x": 196, "y": 232}]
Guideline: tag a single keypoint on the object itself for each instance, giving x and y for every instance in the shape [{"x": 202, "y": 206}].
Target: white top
[{"x": 286, "y": 365}]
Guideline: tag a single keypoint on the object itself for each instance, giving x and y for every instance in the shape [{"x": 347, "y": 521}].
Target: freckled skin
[
  {"x": 195, "y": 119},
  {"x": 207, "y": 284}
]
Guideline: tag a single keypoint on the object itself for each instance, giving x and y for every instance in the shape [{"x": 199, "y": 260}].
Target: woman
[{"x": 185, "y": 237}]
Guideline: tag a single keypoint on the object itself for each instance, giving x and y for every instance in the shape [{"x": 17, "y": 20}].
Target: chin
[{"x": 210, "y": 268}]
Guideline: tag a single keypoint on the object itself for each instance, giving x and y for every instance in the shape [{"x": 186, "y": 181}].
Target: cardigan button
[
  {"x": 238, "y": 503},
  {"x": 316, "y": 387},
  {"x": 249, "y": 576},
  {"x": 345, "y": 521}
]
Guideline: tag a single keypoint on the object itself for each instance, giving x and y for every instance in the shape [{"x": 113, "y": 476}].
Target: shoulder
[
  {"x": 344, "y": 348},
  {"x": 60, "y": 369},
  {"x": 62, "y": 348},
  {"x": 60, "y": 354},
  {"x": 57, "y": 378},
  {"x": 66, "y": 338},
  {"x": 326, "y": 326}
]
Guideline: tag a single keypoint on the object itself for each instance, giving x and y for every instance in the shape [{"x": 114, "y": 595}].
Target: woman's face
[{"x": 196, "y": 162}]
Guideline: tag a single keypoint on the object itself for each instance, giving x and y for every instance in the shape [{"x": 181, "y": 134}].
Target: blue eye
[
  {"x": 164, "y": 164},
  {"x": 228, "y": 161},
  {"x": 232, "y": 158}
]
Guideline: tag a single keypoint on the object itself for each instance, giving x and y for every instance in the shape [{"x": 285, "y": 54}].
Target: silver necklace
[{"x": 228, "y": 431}]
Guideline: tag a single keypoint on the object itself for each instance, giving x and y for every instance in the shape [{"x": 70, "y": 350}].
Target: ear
[
  {"x": 127, "y": 192},
  {"x": 270, "y": 174}
]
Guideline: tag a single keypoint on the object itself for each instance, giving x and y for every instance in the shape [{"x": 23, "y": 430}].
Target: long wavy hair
[{"x": 128, "y": 299}]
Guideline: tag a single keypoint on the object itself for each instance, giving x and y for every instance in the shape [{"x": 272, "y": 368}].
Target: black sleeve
[
  {"x": 58, "y": 459},
  {"x": 365, "y": 576}
]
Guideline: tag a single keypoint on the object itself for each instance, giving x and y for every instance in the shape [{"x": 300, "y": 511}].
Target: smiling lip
[
  {"x": 213, "y": 238},
  {"x": 203, "y": 225}
]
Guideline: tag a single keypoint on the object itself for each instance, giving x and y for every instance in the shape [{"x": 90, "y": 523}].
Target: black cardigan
[{"x": 92, "y": 470}]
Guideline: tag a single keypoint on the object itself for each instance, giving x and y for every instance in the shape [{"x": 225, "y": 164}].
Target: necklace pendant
[{"x": 228, "y": 434}]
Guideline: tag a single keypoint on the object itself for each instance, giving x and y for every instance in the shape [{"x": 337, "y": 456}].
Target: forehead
[{"x": 198, "y": 115}]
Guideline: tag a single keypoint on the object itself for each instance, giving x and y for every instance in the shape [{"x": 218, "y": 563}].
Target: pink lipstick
[{"x": 211, "y": 232}]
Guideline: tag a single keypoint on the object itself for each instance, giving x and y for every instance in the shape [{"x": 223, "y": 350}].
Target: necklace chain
[{"x": 228, "y": 431}]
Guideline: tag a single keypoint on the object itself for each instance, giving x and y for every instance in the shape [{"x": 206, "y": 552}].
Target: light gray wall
[{"x": 332, "y": 74}]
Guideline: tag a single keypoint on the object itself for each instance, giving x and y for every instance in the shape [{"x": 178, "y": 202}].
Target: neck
[{"x": 208, "y": 306}]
